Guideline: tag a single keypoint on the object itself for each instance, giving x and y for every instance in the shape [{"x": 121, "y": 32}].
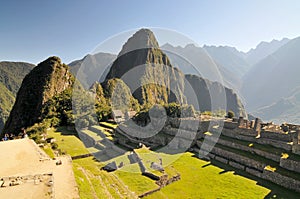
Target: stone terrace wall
[
  {"x": 264, "y": 154},
  {"x": 225, "y": 156},
  {"x": 255, "y": 168},
  {"x": 242, "y": 136},
  {"x": 290, "y": 164},
  {"x": 281, "y": 180},
  {"x": 276, "y": 136},
  {"x": 230, "y": 125}
]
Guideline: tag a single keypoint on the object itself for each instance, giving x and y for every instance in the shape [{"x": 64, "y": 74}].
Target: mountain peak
[
  {"x": 48, "y": 79},
  {"x": 143, "y": 38}
]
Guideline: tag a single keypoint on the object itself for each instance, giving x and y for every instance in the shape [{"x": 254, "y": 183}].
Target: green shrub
[
  {"x": 54, "y": 146},
  {"x": 209, "y": 113},
  {"x": 230, "y": 114}
]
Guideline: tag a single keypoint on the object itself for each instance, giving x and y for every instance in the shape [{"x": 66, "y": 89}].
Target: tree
[{"x": 230, "y": 114}]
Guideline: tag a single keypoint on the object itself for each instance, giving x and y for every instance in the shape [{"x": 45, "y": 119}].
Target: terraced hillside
[{"x": 234, "y": 165}]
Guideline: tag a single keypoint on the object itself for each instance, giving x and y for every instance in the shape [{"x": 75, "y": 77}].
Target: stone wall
[
  {"x": 232, "y": 134},
  {"x": 274, "y": 143},
  {"x": 238, "y": 158},
  {"x": 264, "y": 154},
  {"x": 236, "y": 165},
  {"x": 230, "y": 125},
  {"x": 276, "y": 136},
  {"x": 255, "y": 168},
  {"x": 291, "y": 165},
  {"x": 246, "y": 132},
  {"x": 296, "y": 149},
  {"x": 281, "y": 180}
]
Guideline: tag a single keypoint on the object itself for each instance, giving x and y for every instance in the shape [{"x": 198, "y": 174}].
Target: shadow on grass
[
  {"x": 67, "y": 131},
  {"x": 276, "y": 191}
]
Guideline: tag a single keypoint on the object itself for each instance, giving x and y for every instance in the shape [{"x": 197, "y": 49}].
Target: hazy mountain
[
  {"x": 284, "y": 110},
  {"x": 47, "y": 79},
  {"x": 273, "y": 78},
  {"x": 94, "y": 67},
  {"x": 194, "y": 60},
  {"x": 230, "y": 58},
  {"x": 263, "y": 50}
]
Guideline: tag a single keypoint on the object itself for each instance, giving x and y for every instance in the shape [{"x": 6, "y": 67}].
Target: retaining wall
[
  {"x": 281, "y": 180},
  {"x": 277, "y": 136},
  {"x": 291, "y": 165}
]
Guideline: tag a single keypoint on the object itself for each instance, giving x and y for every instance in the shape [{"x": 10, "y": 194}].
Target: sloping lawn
[
  {"x": 67, "y": 142},
  {"x": 199, "y": 179}
]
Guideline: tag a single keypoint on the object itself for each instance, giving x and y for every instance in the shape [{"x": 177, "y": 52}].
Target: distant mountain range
[
  {"x": 196, "y": 60},
  {"x": 45, "y": 92},
  {"x": 263, "y": 50},
  {"x": 265, "y": 78},
  {"x": 272, "y": 85}
]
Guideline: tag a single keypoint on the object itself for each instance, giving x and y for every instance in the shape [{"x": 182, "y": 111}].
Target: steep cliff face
[
  {"x": 48, "y": 79},
  {"x": 212, "y": 96},
  {"x": 147, "y": 70}
]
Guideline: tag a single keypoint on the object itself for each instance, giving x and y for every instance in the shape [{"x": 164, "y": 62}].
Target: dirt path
[{"x": 24, "y": 158}]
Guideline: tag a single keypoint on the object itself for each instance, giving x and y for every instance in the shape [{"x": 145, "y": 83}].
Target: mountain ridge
[{"x": 46, "y": 80}]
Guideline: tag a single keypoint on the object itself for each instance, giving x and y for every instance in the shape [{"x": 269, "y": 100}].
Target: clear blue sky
[{"x": 32, "y": 30}]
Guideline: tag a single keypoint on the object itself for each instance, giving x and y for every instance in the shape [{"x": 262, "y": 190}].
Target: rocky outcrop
[{"x": 48, "y": 79}]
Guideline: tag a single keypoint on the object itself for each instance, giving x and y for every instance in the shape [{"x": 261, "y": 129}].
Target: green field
[{"x": 199, "y": 178}]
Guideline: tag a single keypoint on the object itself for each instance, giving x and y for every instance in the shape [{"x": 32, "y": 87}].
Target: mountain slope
[
  {"x": 12, "y": 74},
  {"x": 46, "y": 80},
  {"x": 284, "y": 110},
  {"x": 6, "y": 102},
  {"x": 263, "y": 50},
  {"x": 274, "y": 77},
  {"x": 94, "y": 67},
  {"x": 158, "y": 81},
  {"x": 229, "y": 58},
  {"x": 148, "y": 72},
  {"x": 214, "y": 96},
  {"x": 195, "y": 60}
]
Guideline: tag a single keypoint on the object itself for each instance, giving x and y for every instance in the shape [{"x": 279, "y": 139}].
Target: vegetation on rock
[{"x": 50, "y": 78}]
